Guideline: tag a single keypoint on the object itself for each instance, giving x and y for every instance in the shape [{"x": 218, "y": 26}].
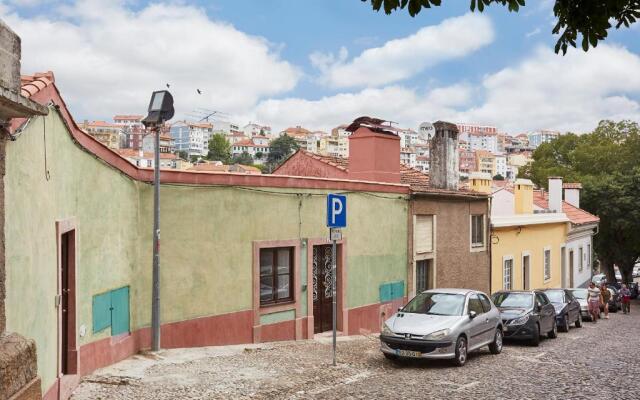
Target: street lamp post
[{"x": 160, "y": 110}]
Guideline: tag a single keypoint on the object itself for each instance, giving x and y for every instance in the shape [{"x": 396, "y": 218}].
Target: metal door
[{"x": 322, "y": 291}]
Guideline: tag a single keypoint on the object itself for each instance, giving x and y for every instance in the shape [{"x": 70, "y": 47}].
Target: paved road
[{"x": 599, "y": 360}]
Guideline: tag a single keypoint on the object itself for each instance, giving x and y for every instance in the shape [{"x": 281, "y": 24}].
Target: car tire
[
  {"x": 535, "y": 339},
  {"x": 579, "y": 321},
  {"x": 565, "y": 324},
  {"x": 496, "y": 346},
  {"x": 553, "y": 333},
  {"x": 461, "y": 352}
]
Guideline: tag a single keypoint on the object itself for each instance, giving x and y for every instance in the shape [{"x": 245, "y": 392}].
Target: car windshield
[
  {"x": 555, "y": 296},
  {"x": 513, "y": 300},
  {"x": 436, "y": 304},
  {"x": 580, "y": 294}
]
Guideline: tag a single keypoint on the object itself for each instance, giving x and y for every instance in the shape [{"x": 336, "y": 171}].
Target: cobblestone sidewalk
[{"x": 600, "y": 360}]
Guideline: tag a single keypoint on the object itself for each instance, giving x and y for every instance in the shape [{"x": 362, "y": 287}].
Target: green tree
[
  {"x": 219, "y": 149},
  {"x": 498, "y": 177},
  {"x": 259, "y": 155},
  {"x": 183, "y": 154},
  {"x": 589, "y": 19},
  {"x": 243, "y": 158},
  {"x": 280, "y": 149},
  {"x": 607, "y": 163}
]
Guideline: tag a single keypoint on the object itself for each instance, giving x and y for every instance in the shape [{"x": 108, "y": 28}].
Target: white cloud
[
  {"x": 572, "y": 92},
  {"x": 533, "y": 32},
  {"x": 107, "y": 59},
  {"x": 546, "y": 90},
  {"x": 400, "y": 59}
]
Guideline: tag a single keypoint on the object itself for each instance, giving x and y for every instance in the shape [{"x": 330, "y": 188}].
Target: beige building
[
  {"x": 485, "y": 162},
  {"x": 105, "y": 132}
]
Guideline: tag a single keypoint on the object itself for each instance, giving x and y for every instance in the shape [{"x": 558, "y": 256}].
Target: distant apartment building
[
  {"x": 106, "y": 133},
  {"x": 542, "y": 136},
  {"x": 501, "y": 165},
  {"x": 192, "y": 138},
  {"x": 408, "y": 157},
  {"x": 145, "y": 159},
  {"x": 410, "y": 138},
  {"x": 334, "y": 145},
  {"x": 464, "y": 145},
  {"x": 166, "y": 143},
  {"x": 253, "y": 129},
  {"x": 467, "y": 162},
  {"x": 422, "y": 164},
  {"x": 128, "y": 121},
  {"x": 485, "y": 162},
  {"x": 256, "y": 147},
  {"x": 303, "y": 138}
]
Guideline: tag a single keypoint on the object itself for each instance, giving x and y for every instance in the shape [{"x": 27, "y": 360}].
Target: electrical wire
[{"x": 47, "y": 174}]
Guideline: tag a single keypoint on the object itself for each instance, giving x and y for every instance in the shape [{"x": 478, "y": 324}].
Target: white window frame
[
  {"x": 504, "y": 275},
  {"x": 580, "y": 262},
  {"x": 483, "y": 247},
  {"x": 544, "y": 264}
]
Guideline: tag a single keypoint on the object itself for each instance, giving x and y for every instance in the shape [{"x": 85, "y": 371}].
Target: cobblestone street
[{"x": 600, "y": 359}]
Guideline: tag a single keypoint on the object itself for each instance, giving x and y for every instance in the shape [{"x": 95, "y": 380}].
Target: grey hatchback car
[{"x": 443, "y": 324}]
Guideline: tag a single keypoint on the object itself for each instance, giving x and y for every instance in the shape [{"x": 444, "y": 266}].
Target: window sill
[
  {"x": 277, "y": 307},
  {"x": 478, "y": 249}
]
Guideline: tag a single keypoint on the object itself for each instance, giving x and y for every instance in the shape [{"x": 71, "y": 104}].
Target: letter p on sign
[{"x": 336, "y": 211}]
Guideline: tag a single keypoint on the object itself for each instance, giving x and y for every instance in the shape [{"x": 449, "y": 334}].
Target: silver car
[{"x": 443, "y": 323}]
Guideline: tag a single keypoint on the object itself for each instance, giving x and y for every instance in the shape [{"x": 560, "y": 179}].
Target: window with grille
[
  {"x": 477, "y": 231},
  {"x": 507, "y": 275},
  {"x": 276, "y": 275},
  {"x": 547, "y": 265}
]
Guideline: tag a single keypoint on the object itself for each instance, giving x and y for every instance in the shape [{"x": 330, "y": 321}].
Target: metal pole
[
  {"x": 335, "y": 303},
  {"x": 155, "y": 299}
]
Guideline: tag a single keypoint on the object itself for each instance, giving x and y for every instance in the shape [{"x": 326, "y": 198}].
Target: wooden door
[
  {"x": 525, "y": 273},
  {"x": 322, "y": 291},
  {"x": 65, "y": 303}
]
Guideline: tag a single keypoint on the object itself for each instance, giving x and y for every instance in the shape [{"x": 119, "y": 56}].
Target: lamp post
[{"x": 160, "y": 110}]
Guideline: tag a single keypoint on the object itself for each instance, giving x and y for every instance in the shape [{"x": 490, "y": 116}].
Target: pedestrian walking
[
  {"x": 594, "y": 299},
  {"x": 626, "y": 299},
  {"x": 606, "y": 296}
]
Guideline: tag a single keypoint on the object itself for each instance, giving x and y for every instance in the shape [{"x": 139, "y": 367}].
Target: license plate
[{"x": 408, "y": 353}]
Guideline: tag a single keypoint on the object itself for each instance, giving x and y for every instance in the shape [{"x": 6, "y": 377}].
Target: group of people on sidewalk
[{"x": 599, "y": 298}]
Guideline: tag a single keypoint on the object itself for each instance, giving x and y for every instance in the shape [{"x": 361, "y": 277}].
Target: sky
[{"x": 319, "y": 64}]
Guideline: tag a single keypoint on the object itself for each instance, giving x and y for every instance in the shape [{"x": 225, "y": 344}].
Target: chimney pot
[
  {"x": 555, "y": 194},
  {"x": 444, "y": 158},
  {"x": 523, "y": 196}
]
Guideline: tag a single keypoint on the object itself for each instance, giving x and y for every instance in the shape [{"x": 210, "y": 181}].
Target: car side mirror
[
  {"x": 472, "y": 314},
  {"x": 399, "y": 309}
]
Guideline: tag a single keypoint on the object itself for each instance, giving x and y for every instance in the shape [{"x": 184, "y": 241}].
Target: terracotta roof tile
[
  {"x": 32, "y": 84},
  {"x": 576, "y": 215},
  {"x": 569, "y": 185}
]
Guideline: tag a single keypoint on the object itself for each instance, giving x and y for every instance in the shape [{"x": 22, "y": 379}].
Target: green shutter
[
  {"x": 397, "y": 290},
  {"x": 120, "y": 311},
  {"x": 101, "y": 311},
  {"x": 385, "y": 292}
]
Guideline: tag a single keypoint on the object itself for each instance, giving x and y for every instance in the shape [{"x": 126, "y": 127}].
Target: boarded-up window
[{"x": 424, "y": 234}]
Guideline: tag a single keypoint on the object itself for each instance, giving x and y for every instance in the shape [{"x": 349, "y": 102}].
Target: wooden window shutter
[{"x": 424, "y": 234}]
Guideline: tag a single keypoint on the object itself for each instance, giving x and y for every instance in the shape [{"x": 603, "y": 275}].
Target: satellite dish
[{"x": 426, "y": 131}]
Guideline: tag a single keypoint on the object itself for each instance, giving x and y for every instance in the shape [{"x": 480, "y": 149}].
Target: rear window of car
[
  {"x": 513, "y": 300},
  {"x": 580, "y": 294},
  {"x": 555, "y": 296}
]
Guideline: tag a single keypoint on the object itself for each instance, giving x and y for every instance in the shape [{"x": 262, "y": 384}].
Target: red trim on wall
[
  {"x": 233, "y": 328},
  {"x": 51, "y": 94},
  {"x": 280, "y": 331},
  {"x": 52, "y": 392}
]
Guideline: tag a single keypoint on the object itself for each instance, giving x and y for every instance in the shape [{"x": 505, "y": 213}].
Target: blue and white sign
[{"x": 336, "y": 211}]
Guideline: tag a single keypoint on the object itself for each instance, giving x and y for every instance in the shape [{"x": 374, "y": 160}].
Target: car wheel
[
  {"x": 553, "y": 333},
  {"x": 565, "y": 324},
  {"x": 579, "y": 321},
  {"x": 461, "y": 352},
  {"x": 496, "y": 346},
  {"x": 535, "y": 339}
]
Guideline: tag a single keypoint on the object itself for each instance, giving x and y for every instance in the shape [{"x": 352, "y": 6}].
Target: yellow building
[
  {"x": 485, "y": 162},
  {"x": 527, "y": 242}
]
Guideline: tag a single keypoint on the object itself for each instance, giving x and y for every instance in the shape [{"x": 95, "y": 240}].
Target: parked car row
[{"x": 450, "y": 323}]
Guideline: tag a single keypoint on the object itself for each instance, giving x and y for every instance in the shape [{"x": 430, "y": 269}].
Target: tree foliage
[
  {"x": 219, "y": 149},
  {"x": 243, "y": 158},
  {"x": 589, "y": 19},
  {"x": 280, "y": 149},
  {"x": 607, "y": 163}
]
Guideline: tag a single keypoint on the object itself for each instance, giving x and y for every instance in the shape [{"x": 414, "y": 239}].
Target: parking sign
[{"x": 336, "y": 211}]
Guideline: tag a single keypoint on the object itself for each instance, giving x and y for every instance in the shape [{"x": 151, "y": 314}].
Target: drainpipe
[{"x": 490, "y": 243}]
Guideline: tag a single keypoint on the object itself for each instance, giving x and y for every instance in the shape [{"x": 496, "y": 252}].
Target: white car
[{"x": 443, "y": 323}]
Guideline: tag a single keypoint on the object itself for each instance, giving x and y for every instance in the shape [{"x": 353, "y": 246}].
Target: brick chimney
[
  {"x": 374, "y": 155},
  {"x": 555, "y": 193},
  {"x": 444, "y": 157},
  {"x": 572, "y": 193},
  {"x": 523, "y": 196}
]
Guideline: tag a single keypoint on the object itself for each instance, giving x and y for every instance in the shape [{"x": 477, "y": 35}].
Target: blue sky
[{"x": 320, "y": 63}]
